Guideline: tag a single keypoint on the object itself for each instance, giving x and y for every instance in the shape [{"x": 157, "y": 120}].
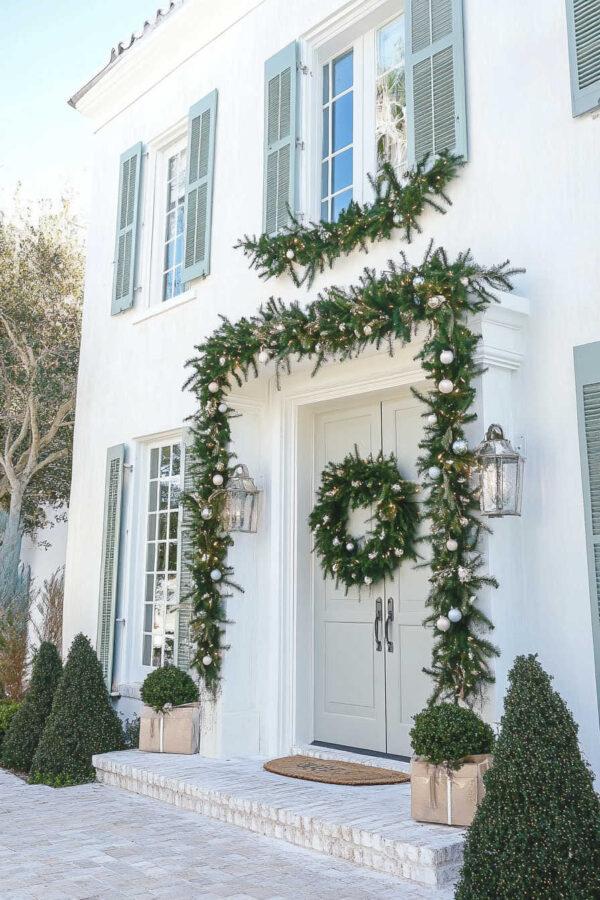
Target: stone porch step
[{"x": 368, "y": 825}]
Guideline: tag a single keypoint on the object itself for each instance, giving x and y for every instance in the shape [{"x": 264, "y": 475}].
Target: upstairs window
[
  {"x": 337, "y": 135},
  {"x": 390, "y": 95},
  {"x": 172, "y": 281}
]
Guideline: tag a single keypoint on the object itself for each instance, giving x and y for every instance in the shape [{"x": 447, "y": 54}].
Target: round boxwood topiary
[
  {"x": 23, "y": 735},
  {"x": 446, "y": 733},
  {"x": 82, "y": 722},
  {"x": 168, "y": 685}
]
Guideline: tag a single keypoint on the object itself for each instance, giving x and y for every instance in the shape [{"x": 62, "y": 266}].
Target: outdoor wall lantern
[
  {"x": 240, "y": 510},
  {"x": 500, "y": 469}
]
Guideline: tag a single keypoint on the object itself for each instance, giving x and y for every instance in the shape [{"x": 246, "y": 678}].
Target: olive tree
[{"x": 41, "y": 283}]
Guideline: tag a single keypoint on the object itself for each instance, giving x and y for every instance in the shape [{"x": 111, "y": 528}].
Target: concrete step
[{"x": 368, "y": 825}]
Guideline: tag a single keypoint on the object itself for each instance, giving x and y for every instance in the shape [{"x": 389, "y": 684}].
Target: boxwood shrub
[
  {"x": 446, "y": 733},
  {"x": 82, "y": 722},
  {"x": 25, "y": 731},
  {"x": 168, "y": 685},
  {"x": 8, "y": 710}
]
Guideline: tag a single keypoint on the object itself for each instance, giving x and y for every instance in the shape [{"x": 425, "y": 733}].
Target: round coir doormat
[{"x": 333, "y": 771}]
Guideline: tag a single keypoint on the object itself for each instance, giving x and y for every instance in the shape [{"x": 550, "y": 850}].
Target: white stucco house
[{"x": 185, "y": 108}]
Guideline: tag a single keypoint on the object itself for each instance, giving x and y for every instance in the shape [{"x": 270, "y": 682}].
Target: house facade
[{"x": 208, "y": 125}]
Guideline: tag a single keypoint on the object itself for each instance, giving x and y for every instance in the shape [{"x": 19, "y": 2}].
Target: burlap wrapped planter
[
  {"x": 447, "y": 796},
  {"x": 176, "y": 730}
]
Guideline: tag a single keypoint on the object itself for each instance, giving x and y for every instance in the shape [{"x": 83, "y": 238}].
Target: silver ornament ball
[
  {"x": 454, "y": 614},
  {"x": 206, "y": 660},
  {"x": 446, "y": 357},
  {"x": 446, "y": 386},
  {"x": 217, "y": 479},
  {"x": 213, "y": 387},
  {"x": 206, "y": 513},
  {"x": 443, "y": 623},
  {"x": 460, "y": 446},
  {"x": 216, "y": 574},
  {"x": 434, "y": 472},
  {"x": 451, "y": 545},
  {"x": 290, "y": 253}
]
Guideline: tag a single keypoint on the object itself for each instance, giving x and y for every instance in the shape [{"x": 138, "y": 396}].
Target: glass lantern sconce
[
  {"x": 240, "y": 509},
  {"x": 500, "y": 471}
]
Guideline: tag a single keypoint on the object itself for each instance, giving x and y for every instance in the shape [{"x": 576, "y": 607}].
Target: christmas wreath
[{"x": 354, "y": 483}]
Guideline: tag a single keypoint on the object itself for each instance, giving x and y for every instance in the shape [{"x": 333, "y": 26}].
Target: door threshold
[{"x": 359, "y": 751}]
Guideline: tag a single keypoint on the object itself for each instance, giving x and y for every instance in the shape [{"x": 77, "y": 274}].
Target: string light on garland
[
  {"x": 305, "y": 250},
  {"x": 392, "y": 304}
]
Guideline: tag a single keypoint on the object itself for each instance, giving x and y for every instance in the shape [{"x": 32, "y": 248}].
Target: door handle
[
  {"x": 378, "y": 620},
  {"x": 388, "y": 622}
]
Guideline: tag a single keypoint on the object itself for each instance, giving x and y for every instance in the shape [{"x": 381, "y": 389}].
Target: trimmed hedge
[
  {"x": 537, "y": 831},
  {"x": 8, "y": 710},
  {"x": 82, "y": 722},
  {"x": 168, "y": 684},
  {"x": 25, "y": 731},
  {"x": 446, "y": 733}
]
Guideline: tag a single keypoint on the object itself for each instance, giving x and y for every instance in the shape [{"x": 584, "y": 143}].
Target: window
[
  {"x": 338, "y": 135},
  {"x": 363, "y": 111},
  {"x": 390, "y": 96},
  {"x": 161, "y": 597},
  {"x": 172, "y": 282}
]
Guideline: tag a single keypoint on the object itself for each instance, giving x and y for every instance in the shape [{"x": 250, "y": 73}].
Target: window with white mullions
[
  {"x": 174, "y": 215},
  {"x": 390, "y": 103},
  {"x": 337, "y": 135},
  {"x": 162, "y": 551}
]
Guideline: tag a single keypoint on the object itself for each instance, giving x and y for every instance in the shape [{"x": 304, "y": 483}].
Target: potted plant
[
  {"x": 452, "y": 747},
  {"x": 170, "y": 719}
]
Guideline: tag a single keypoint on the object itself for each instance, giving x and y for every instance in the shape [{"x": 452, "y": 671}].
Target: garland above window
[
  {"x": 351, "y": 484},
  {"x": 439, "y": 294},
  {"x": 304, "y": 250}
]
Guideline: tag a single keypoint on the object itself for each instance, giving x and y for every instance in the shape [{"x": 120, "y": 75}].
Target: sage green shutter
[
  {"x": 280, "y": 153},
  {"x": 130, "y": 170},
  {"x": 583, "y": 29},
  {"x": 113, "y": 491},
  {"x": 587, "y": 380},
  {"x": 435, "y": 78},
  {"x": 199, "y": 187},
  {"x": 184, "y": 640}
]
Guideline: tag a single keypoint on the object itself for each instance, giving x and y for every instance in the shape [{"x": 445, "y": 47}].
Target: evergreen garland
[
  {"x": 339, "y": 324},
  {"x": 397, "y": 205},
  {"x": 356, "y": 483}
]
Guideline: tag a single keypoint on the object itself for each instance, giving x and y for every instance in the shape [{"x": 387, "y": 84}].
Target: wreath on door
[{"x": 352, "y": 484}]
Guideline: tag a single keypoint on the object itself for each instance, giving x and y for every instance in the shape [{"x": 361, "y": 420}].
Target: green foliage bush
[
  {"x": 537, "y": 832},
  {"x": 23, "y": 736},
  {"x": 168, "y": 684},
  {"x": 8, "y": 710},
  {"x": 82, "y": 722},
  {"x": 446, "y": 733}
]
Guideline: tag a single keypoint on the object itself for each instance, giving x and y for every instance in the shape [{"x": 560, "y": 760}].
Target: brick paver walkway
[{"x": 99, "y": 842}]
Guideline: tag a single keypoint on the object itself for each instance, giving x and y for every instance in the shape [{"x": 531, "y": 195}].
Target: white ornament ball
[
  {"x": 216, "y": 574},
  {"x": 206, "y": 660},
  {"x": 446, "y": 357},
  {"x": 432, "y": 419},
  {"x": 464, "y": 281},
  {"x": 217, "y": 480},
  {"x": 368, "y": 579},
  {"x": 396, "y": 488},
  {"x": 434, "y": 472},
  {"x": 222, "y": 360},
  {"x": 349, "y": 546},
  {"x": 460, "y": 446},
  {"x": 446, "y": 386},
  {"x": 263, "y": 357},
  {"x": 206, "y": 512},
  {"x": 397, "y": 220},
  {"x": 443, "y": 623},
  {"x": 451, "y": 545},
  {"x": 367, "y": 330},
  {"x": 213, "y": 387},
  {"x": 336, "y": 542},
  {"x": 454, "y": 614},
  {"x": 222, "y": 407},
  {"x": 418, "y": 280},
  {"x": 290, "y": 253}
]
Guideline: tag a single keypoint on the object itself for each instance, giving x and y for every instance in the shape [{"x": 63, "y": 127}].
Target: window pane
[
  {"x": 169, "y": 650},
  {"x": 147, "y": 617},
  {"x": 342, "y": 73},
  {"x": 163, "y": 501},
  {"x": 154, "y": 463},
  {"x": 151, "y": 535},
  {"x": 150, "y": 557},
  {"x": 172, "y": 556},
  {"x": 340, "y": 203},
  {"x": 390, "y": 101},
  {"x": 324, "y": 179},
  {"x": 325, "y": 211},
  {"x": 390, "y": 46},
  {"x": 342, "y": 171},
  {"x": 165, "y": 462},
  {"x": 326, "y": 83},
  {"x": 162, "y": 527},
  {"x": 171, "y": 588},
  {"x": 325, "y": 132},
  {"x": 161, "y": 557},
  {"x": 342, "y": 122},
  {"x": 173, "y": 517},
  {"x": 176, "y": 459},
  {"x": 149, "y": 588},
  {"x": 157, "y": 651},
  {"x": 159, "y": 589},
  {"x": 147, "y": 651}
]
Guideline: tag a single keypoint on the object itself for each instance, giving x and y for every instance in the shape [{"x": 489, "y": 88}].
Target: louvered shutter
[
  {"x": 583, "y": 28},
  {"x": 199, "y": 188},
  {"x": 110, "y": 559},
  {"x": 184, "y": 641},
  {"x": 130, "y": 170},
  {"x": 280, "y": 155},
  {"x": 587, "y": 380},
  {"x": 435, "y": 78}
]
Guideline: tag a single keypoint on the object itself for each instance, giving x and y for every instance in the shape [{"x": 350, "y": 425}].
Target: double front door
[{"x": 370, "y": 648}]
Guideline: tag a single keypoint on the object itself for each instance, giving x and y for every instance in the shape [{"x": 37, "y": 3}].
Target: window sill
[{"x": 160, "y": 308}]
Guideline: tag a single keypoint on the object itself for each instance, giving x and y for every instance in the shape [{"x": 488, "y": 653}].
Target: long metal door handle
[
  {"x": 388, "y": 621},
  {"x": 378, "y": 620}
]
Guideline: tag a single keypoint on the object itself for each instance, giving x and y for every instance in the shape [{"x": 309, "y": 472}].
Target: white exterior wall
[{"x": 530, "y": 192}]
